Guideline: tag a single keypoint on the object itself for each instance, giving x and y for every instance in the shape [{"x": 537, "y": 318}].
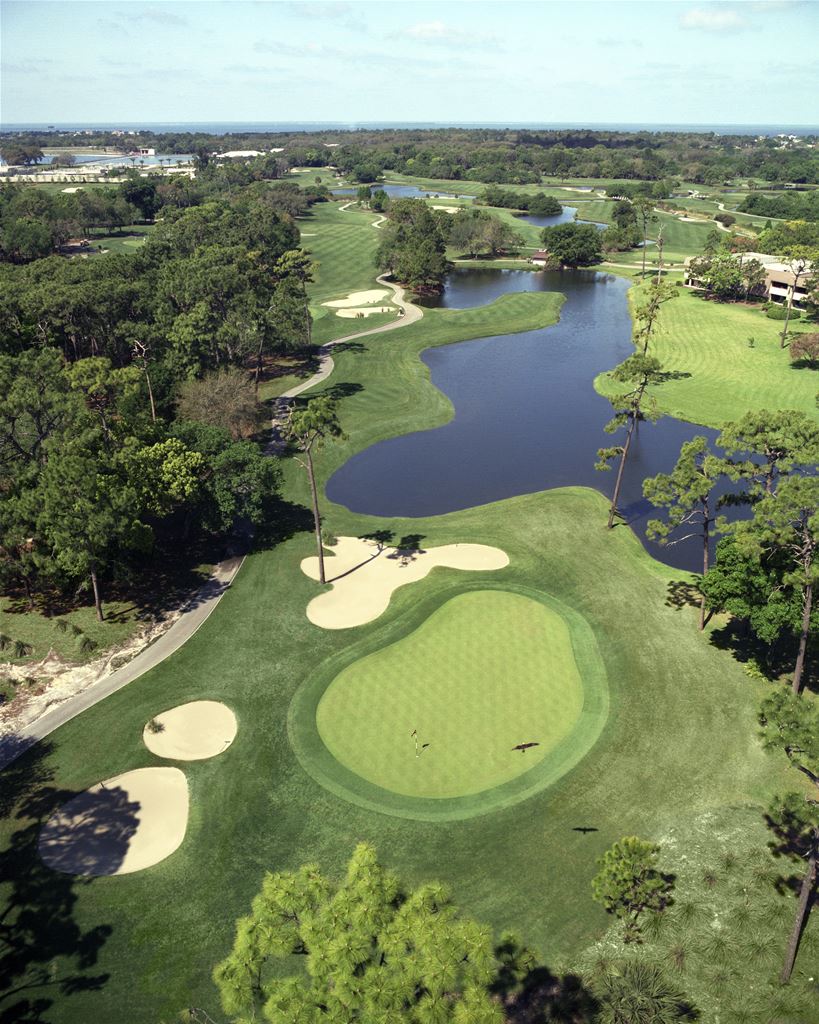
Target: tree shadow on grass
[
  {"x": 792, "y": 840},
  {"x": 532, "y": 994},
  {"x": 771, "y": 661},
  {"x": 355, "y": 347},
  {"x": 284, "y": 520},
  {"x": 44, "y": 952},
  {"x": 344, "y": 389}
]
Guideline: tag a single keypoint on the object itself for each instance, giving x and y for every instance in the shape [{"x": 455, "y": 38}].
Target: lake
[{"x": 526, "y": 416}]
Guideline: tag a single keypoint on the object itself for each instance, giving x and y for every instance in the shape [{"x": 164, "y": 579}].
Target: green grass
[
  {"x": 679, "y": 744},
  {"x": 343, "y": 242},
  {"x": 126, "y": 240},
  {"x": 487, "y": 670},
  {"x": 723, "y": 377},
  {"x": 42, "y": 634}
]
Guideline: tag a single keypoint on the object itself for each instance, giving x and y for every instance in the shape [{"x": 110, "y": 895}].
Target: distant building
[
  {"x": 540, "y": 258},
  {"x": 234, "y": 154},
  {"x": 780, "y": 278}
]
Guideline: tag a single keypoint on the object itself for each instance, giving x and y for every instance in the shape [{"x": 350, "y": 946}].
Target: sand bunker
[
  {"x": 448, "y": 209},
  {"x": 191, "y": 732},
  {"x": 357, "y": 299},
  {"x": 71, "y": 191},
  {"x": 363, "y": 577},
  {"x": 122, "y": 825},
  {"x": 359, "y": 311}
]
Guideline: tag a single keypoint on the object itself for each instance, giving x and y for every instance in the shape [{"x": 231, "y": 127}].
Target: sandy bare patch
[
  {"x": 448, "y": 209},
  {"x": 358, "y": 311},
  {"x": 191, "y": 732},
  {"x": 364, "y": 576},
  {"x": 71, "y": 190},
  {"x": 357, "y": 299},
  {"x": 121, "y": 825}
]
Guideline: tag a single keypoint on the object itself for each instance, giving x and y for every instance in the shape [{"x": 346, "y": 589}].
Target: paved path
[
  {"x": 197, "y": 610},
  {"x": 193, "y": 615},
  {"x": 411, "y": 314}
]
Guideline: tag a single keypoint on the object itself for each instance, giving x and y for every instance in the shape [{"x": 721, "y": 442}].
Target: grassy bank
[{"x": 720, "y": 375}]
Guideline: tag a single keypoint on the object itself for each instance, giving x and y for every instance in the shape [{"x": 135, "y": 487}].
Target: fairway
[
  {"x": 718, "y": 375},
  {"x": 487, "y": 671}
]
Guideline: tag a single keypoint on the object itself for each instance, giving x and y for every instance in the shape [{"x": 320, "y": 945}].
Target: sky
[{"x": 674, "y": 62}]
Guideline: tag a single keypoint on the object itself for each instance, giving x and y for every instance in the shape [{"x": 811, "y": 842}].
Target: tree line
[
  {"x": 126, "y": 405},
  {"x": 512, "y": 156}
]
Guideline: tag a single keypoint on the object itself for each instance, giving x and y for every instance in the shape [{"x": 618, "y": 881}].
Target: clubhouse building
[{"x": 780, "y": 284}]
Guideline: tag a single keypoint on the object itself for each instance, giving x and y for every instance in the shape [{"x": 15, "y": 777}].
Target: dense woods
[
  {"x": 124, "y": 416},
  {"x": 511, "y": 156}
]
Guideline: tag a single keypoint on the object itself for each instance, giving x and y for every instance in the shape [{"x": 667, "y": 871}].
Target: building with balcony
[{"x": 780, "y": 284}]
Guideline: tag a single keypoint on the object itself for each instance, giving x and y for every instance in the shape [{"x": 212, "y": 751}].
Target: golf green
[{"x": 441, "y": 713}]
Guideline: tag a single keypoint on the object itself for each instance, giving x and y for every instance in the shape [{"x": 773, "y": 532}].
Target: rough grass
[
  {"x": 728, "y": 914},
  {"x": 722, "y": 377}
]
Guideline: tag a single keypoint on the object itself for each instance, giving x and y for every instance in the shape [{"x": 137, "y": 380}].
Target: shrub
[
  {"x": 725, "y": 218},
  {"x": 775, "y": 312},
  {"x": 805, "y": 350}
]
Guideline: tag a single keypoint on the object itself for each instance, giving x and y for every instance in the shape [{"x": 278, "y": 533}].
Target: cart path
[{"x": 15, "y": 741}]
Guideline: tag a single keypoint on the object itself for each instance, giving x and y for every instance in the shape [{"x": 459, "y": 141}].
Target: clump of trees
[
  {"x": 372, "y": 951},
  {"x": 539, "y": 204},
  {"x": 573, "y": 245},
  {"x": 90, "y": 480},
  {"x": 728, "y": 276},
  {"x": 477, "y": 232},
  {"x": 413, "y": 245}
]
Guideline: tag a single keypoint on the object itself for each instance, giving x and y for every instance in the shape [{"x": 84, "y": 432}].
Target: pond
[
  {"x": 403, "y": 192},
  {"x": 564, "y": 217},
  {"x": 526, "y": 415}
]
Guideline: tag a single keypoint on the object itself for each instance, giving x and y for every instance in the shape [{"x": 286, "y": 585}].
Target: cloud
[
  {"x": 429, "y": 30},
  {"x": 157, "y": 15},
  {"x": 145, "y": 17},
  {"x": 440, "y": 34},
  {"x": 714, "y": 19}
]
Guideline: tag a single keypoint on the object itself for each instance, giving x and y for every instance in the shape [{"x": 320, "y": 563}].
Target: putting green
[{"x": 486, "y": 671}]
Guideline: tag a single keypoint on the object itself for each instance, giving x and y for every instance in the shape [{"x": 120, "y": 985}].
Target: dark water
[
  {"x": 402, "y": 192},
  {"x": 526, "y": 417},
  {"x": 567, "y": 214}
]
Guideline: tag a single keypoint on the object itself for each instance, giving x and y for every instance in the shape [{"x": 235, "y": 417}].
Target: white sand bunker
[
  {"x": 191, "y": 732},
  {"x": 122, "y": 825},
  {"x": 447, "y": 209},
  {"x": 359, "y": 311},
  {"x": 357, "y": 299},
  {"x": 71, "y": 191},
  {"x": 364, "y": 576}
]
